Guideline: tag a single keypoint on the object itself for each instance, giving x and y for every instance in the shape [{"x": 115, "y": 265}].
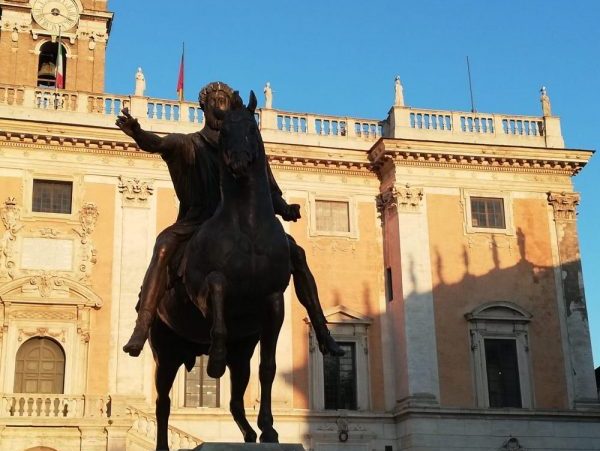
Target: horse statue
[{"x": 233, "y": 273}]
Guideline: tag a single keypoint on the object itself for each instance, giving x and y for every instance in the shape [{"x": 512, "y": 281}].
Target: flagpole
[
  {"x": 58, "y": 50},
  {"x": 181, "y": 78}
]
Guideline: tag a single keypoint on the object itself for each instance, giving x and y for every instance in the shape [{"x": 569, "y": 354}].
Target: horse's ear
[
  {"x": 252, "y": 102},
  {"x": 237, "y": 101}
]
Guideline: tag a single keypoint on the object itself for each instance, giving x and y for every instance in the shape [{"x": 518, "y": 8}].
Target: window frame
[
  {"x": 57, "y": 182},
  {"x": 468, "y": 194},
  {"x": 346, "y": 326},
  {"x": 500, "y": 320},
  {"x": 352, "y": 216},
  {"x": 76, "y": 195}
]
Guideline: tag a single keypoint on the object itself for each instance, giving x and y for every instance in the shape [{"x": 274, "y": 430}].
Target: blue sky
[{"x": 341, "y": 58}]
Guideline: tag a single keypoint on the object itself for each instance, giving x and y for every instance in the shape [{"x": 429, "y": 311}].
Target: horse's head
[{"x": 239, "y": 138}]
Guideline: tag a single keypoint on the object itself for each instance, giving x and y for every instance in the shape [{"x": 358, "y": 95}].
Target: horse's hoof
[
  {"x": 328, "y": 345},
  {"x": 217, "y": 359},
  {"x": 269, "y": 436},
  {"x": 133, "y": 348},
  {"x": 250, "y": 436}
]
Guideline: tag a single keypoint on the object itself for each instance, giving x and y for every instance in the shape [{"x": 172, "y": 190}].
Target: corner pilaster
[{"x": 564, "y": 206}]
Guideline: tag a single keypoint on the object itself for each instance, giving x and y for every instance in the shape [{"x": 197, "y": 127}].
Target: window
[
  {"x": 488, "y": 212},
  {"x": 332, "y": 216},
  {"x": 501, "y": 364},
  {"x": 40, "y": 367},
  {"x": 339, "y": 374},
  {"x": 502, "y": 372},
  {"x": 46, "y": 76},
  {"x": 389, "y": 287},
  {"x": 341, "y": 382},
  {"x": 200, "y": 389},
  {"x": 52, "y": 196}
]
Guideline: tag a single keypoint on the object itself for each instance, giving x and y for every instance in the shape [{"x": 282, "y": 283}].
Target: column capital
[{"x": 564, "y": 205}]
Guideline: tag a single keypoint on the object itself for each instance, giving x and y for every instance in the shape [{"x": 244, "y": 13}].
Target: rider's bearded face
[{"x": 216, "y": 100}]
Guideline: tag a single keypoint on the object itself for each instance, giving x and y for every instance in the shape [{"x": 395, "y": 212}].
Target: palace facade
[{"x": 444, "y": 244}]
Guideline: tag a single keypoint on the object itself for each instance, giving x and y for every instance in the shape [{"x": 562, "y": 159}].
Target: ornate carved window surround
[{"x": 500, "y": 320}]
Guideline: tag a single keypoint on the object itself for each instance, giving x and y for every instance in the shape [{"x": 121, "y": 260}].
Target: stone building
[{"x": 444, "y": 244}]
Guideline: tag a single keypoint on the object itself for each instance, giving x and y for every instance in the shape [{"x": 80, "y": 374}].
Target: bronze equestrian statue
[
  {"x": 241, "y": 253},
  {"x": 192, "y": 166}
]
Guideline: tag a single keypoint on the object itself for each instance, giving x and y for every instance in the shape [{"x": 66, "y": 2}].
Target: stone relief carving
[
  {"x": 333, "y": 245},
  {"x": 404, "y": 198},
  {"x": 136, "y": 192},
  {"x": 47, "y": 284},
  {"x": 11, "y": 218},
  {"x": 42, "y": 315},
  {"x": 59, "y": 334},
  {"x": 564, "y": 205},
  {"x": 512, "y": 444},
  {"x": 88, "y": 216}
]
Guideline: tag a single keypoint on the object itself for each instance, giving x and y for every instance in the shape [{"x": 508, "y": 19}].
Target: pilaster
[
  {"x": 579, "y": 347},
  {"x": 406, "y": 231}
]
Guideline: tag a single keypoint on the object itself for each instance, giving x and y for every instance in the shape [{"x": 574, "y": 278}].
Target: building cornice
[
  {"x": 496, "y": 158},
  {"x": 128, "y": 149}
]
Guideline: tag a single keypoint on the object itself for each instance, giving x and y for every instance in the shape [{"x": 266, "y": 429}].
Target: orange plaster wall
[
  {"x": 104, "y": 197},
  {"x": 467, "y": 274},
  {"x": 11, "y": 187},
  {"x": 349, "y": 273},
  {"x": 166, "y": 209}
]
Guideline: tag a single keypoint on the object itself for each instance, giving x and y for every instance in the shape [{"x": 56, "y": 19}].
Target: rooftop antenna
[{"x": 470, "y": 86}]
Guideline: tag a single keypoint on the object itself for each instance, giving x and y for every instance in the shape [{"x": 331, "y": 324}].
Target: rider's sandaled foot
[
  {"x": 327, "y": 345},
  {"x": 136, "y": 343}
]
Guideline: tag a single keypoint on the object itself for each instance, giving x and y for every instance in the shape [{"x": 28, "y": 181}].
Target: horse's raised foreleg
[
  {"x": 217, "y": 354},
  {"x": 166, "y": 370},
  {"x": 272, "y": 322},
  {"x": 238, "y": 361}
]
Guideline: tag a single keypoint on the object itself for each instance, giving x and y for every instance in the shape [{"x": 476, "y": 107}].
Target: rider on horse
[{"x": 192, "y": 163}]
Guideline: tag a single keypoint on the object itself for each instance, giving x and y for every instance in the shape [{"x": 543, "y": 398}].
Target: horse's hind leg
[
  {"x": 272, "y": 322},
  {"x": 238, "y": 361},
  {"x": 217, "y": 354},
  {"x": 166, "y": 370}
]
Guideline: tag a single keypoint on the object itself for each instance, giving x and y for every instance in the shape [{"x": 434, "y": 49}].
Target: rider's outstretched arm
[
  {"x": 282, "y": 208},
  {"x": 147, "y": 141}
]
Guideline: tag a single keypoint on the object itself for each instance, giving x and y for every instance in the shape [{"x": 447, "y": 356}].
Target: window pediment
[
  {"x": 499, "y": 311},
  {"x": 343, "y": 315},
  {"x": 50, "y": 288}
]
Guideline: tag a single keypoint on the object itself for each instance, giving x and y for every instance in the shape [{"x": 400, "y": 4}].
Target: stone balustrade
[
  {"x": 403, "y": 122},
  {"x": 485, "y": 123},
  {"x": 144, "y": 425},
  {"x": 53, "y": 406}
]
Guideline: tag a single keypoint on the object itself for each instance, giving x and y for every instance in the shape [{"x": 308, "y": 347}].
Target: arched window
[
  {"x": 47, "y": 64},
  {"x": 40, "y": 367}
]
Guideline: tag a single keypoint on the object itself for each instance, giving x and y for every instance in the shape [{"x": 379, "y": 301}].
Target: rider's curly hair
[{"x": 214, "y": 87}]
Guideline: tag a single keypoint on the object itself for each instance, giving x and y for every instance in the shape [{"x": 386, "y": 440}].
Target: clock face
[{"x": 55, "y": 15}]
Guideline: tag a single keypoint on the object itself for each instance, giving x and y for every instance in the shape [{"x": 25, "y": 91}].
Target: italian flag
[{"x": 60, "y": 69}]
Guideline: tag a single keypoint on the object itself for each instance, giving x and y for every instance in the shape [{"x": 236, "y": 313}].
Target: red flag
[{"x": 180, "y": 80}]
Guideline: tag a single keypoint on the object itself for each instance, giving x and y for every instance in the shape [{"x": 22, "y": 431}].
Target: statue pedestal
[{"x": 248, "y": 447}]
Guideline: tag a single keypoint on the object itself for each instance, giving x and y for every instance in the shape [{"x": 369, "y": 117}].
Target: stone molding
[
  {"x": 509, "y": 159},
  {"x": 135, "y": 191},
  {"x": 564, "y": 205}
]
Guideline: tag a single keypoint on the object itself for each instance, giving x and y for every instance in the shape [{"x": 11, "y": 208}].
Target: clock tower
[{"x": 33, "y": 32}]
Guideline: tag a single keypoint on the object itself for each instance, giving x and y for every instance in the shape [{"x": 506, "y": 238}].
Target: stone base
[{"x": 248, "y": 447}]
